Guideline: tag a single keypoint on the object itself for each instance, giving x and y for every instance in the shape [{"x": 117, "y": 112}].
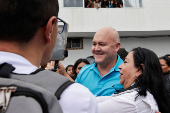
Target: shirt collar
[
  {"x": 118, "y": 63},
  {"x": 115, "y": 68},
  {"x": 21, "y": 64}
]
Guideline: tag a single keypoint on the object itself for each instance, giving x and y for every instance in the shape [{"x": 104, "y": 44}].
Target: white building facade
[{"x": 146, "y": 25}]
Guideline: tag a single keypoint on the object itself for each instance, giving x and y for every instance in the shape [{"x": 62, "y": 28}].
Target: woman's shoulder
[
  {"x": 132, "y": 97},
  {"x": 127, "y": 93},
  {"x": 150, "y": 101},
  {"x": 127, "y": 101}
]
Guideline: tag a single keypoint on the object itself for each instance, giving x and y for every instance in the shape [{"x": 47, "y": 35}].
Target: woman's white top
[{"x": 127, "y": 102}]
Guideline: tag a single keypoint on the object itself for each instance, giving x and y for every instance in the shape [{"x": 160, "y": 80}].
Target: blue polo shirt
[{"x": 89, "y": 76}]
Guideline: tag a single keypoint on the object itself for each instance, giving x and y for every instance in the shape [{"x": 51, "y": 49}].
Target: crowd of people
[
  {"x": 134, "y": 84},
  {"x": 103, "y": 4},
  {"x": 73, "y": 70},
  {"x": 137, "y": 81}
]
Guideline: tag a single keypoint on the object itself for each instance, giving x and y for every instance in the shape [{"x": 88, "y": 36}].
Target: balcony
[{"x": 147, "y": 19}]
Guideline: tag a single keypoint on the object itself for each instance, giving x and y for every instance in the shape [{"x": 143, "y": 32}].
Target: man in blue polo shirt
[{"x": 102, "y": 77}]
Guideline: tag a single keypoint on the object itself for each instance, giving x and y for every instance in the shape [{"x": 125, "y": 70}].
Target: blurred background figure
[
  {"x": 117, "y": 4},
  {"x": 111, "y": 4},
  {"x": 121, "y": 4},
  {"x": 122, "y": 53},
  {"x": 105, "y": 4},
  {"x": 90, "y": 59},
  {"x": 89, "y": 4},
  {"x": 168, "y": 55},
  {"x": 69, "y": 70},
  {"x": 49, "y": 65},
  {"x": 97, "y": 4},
  {"x": 165, "y": 64},
  {"x": 78, "y": 65}
]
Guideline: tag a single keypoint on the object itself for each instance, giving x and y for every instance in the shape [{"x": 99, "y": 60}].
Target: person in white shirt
[
  {"x": 29, "y": 30},
  {"x": 141, "y": 77}
]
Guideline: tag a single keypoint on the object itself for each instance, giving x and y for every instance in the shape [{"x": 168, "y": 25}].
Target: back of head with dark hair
[
  {"x": 20, "y": 19},
  {"x": 122, "y": 53},
  {"x": 151, "y": 78}
]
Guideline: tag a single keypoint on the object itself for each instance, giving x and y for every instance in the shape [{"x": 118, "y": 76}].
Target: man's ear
[
  {"x": 49, "y": 28},
  {"x": 117, "y": 46}
]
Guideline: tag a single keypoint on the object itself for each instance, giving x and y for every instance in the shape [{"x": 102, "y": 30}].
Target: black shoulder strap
[
  {"x": 36, "y": 71},
  {"x": 5, "y": 70},
  {"x": 62, "y": 88},
  {"x": 23, "y": 91},
  {"x": 34, "y": 94}
]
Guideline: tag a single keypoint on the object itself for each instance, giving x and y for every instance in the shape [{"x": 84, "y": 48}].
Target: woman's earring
[{"x": 136, "y": 80}]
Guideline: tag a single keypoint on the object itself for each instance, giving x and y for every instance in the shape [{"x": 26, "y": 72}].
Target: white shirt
[
  {"x": 125, "y": 103},
  {"x": 75, "y": 99}
]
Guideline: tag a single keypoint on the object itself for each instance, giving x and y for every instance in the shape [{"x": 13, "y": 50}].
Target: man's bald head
[{"x": 109, "y": 32}]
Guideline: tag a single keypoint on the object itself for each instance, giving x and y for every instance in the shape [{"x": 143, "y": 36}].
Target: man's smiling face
[{"x": 103, "y": 47}]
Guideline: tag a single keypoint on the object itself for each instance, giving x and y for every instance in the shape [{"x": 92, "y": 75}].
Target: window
[
  {"x": 103, "y": 4},
  {"x": 74, "y": 43},
  {"x": 133, "y": 3},
  {"x": 119, "y": 4},
  {"x": 73, "y": 3}
]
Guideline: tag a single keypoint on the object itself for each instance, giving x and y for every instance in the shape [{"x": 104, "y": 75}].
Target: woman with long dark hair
[
  {"x": 78, "y": 65},
  {"x": 76, "y": 68},
  {"x": 141, "y": 77},
  {"x": 165, "y": 64}
]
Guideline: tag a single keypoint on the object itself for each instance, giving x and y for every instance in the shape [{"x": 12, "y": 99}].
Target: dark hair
[
  {"x": 166, "y": 58},
  {"x": 122, "y": 53},
  {"x": 151, "y": 78},
  {"x": 167, "y": 55},
  {"x": 20, "y": 19},
  {"x": 68, "y": 67},
  {"x": 78, "y": 62}
]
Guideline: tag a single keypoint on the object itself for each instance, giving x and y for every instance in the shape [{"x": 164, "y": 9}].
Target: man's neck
[
  {"x": 23, "y": 51},
  {"x": 105, "y": 68}
]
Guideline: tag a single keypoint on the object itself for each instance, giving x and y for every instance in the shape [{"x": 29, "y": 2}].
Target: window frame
[{"x": 72, "y": 48}]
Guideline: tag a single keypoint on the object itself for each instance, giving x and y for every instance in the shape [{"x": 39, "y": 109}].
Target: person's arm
[
  {"x": 111, "y": 105},
  {"x": 61, "y": 70},
  {"x": 102, "y": 98},
  {"x": 78, "y": 99},
  {"x": 124, "y": 103},
  {"x": 92, "y": 5},
  {"x": 99, "y": 5}
]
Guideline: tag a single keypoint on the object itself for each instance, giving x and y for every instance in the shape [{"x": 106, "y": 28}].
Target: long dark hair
[
  {"x": 151, "y": 78},
  {"x": 77, "y": 63}
]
